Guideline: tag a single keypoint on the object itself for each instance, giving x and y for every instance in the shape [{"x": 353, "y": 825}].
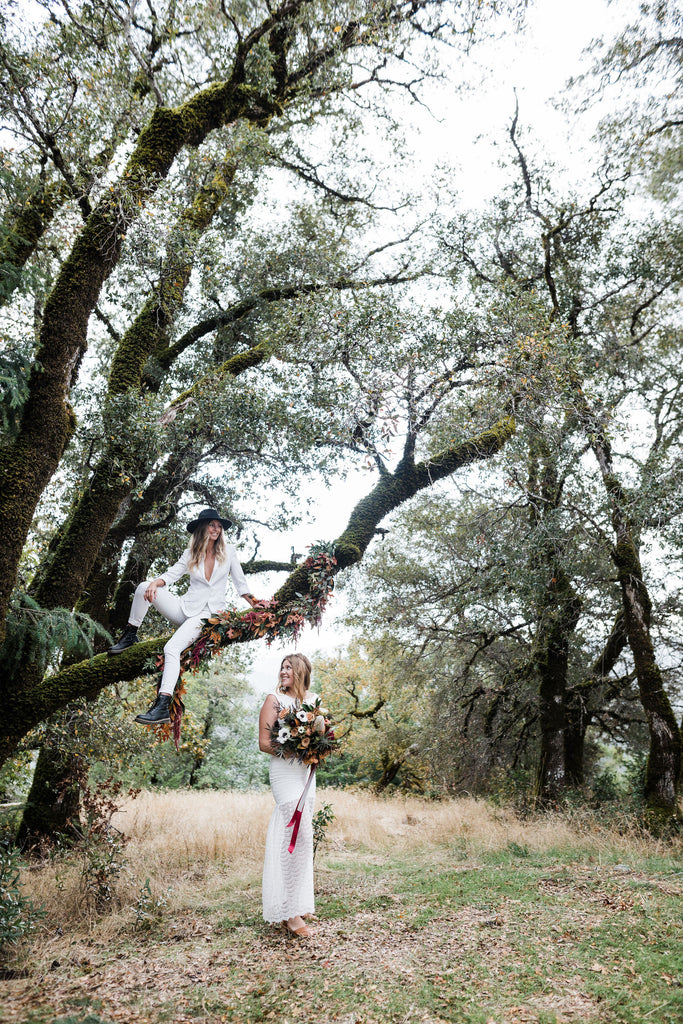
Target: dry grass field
[{"x": 451, "y": 911}]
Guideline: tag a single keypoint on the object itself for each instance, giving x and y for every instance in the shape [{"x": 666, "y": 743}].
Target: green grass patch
[{"x": 506, "y": 935}]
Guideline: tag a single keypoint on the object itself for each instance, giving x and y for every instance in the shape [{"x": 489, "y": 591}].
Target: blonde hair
[
  {"x": 199, "y": 545},
  {"x": 301, "y": 669}
]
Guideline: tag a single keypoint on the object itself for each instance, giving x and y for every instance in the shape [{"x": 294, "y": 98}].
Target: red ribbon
[{"x": 296, "y": 817}]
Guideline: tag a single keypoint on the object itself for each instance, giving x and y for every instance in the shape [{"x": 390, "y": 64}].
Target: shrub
[
  {"x": 18, "y": 915},
  {"x": 606, "y": 787},
  {"x": 149, "y": 908},
  {"x": 322, "y": 819}
]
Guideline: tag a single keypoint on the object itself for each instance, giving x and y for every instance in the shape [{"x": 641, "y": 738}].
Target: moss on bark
[
  {"x": 62, "y": 578},
  {"x": 26, "y": 709},
  {"x": 25, "y": 231},
  {"x": 392, "y": 489}
]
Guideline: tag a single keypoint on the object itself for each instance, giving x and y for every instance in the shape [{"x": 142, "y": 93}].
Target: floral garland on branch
[{"x": 268, "y": 618}]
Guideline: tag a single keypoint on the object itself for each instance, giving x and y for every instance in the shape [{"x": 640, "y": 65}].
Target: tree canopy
[
  {"x": 211, "y": 292},
  {"x": 183, "y": 327}
]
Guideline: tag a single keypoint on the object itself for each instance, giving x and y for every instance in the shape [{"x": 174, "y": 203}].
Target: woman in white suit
[{"x": 208, "y": 561}]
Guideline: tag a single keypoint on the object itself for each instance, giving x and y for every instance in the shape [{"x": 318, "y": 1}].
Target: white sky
[
  {"x": 468, "y": 132},
  {"x": 470, "y": 128}
]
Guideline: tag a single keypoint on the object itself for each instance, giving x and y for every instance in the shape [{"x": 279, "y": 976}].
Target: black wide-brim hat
[{"x": 207, "y": 515}]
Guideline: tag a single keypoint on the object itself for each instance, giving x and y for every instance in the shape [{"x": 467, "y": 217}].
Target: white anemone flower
[
  {"x": 284, "y": 734},
  {"x": 302, "y": 715}
]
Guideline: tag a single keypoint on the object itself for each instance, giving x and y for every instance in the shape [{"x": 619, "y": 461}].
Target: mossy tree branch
[
  {"x": 25, "y": 709},
  {"x": 62, "y": 576},
  {"x": 23, "y": 234},
  {"x": 392, "y": 489},
  {"x": 164, "y": 359}
]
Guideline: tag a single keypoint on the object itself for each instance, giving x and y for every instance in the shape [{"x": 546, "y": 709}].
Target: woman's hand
[
  {"x": 253, "y": 601},
  {"x": 151, "y": 591}
]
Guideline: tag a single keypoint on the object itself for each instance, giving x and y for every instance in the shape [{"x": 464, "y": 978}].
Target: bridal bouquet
[{"x": 304, "y": 732}]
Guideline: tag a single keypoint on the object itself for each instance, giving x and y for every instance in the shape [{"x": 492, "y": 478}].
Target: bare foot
[{"x": 297, "y": 926}]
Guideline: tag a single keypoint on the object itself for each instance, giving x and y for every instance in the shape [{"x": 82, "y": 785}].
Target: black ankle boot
[
  {"x": 126, "y": 640},
  {"x": 157, "y": 713}
]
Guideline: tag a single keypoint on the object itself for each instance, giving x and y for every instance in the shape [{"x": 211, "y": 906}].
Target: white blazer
[{"x": 202, "y": 592}]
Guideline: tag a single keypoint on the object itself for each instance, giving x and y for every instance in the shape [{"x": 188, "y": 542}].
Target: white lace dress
[{"x": 288, "y": 877}]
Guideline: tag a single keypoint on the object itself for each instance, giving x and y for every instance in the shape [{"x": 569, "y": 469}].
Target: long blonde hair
[
  {"x": 199, "y": 545},
  {"x": 301, "y": 669}
]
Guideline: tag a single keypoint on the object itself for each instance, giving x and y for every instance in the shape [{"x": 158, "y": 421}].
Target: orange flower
[{"x": 305, "y": 741}]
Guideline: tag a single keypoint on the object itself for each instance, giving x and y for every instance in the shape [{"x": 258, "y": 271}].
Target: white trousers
[{"x": 187, "y": 632}]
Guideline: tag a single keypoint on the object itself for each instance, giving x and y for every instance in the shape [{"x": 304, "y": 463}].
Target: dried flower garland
[{"x": 269, "y": 618}]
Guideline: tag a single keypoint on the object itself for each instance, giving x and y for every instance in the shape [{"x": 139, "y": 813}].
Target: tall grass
[{"x": 194, "y": 845}]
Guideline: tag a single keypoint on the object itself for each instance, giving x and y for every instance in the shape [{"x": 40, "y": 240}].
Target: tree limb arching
[
  {"x": 162, "y": 360},
  {"x": 25, "y": 710}
]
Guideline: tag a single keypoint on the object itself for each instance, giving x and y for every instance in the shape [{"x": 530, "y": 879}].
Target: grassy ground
[{"x": 428, "y": 912}]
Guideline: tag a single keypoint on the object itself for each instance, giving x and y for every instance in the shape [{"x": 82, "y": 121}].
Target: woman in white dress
[{"x": 288, "y": 877}]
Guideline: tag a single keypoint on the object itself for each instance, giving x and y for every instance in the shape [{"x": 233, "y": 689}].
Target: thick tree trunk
[
  {"x": 574, "y": 746},
  {"x": 54, "y": 798},
  {"x": 664, "y": 758},
  {"x": 559, "y": 610},
  {"x": 559, "y": 619}
]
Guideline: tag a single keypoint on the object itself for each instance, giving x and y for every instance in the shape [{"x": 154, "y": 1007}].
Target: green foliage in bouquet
[{"x": 304, "y": 732}]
